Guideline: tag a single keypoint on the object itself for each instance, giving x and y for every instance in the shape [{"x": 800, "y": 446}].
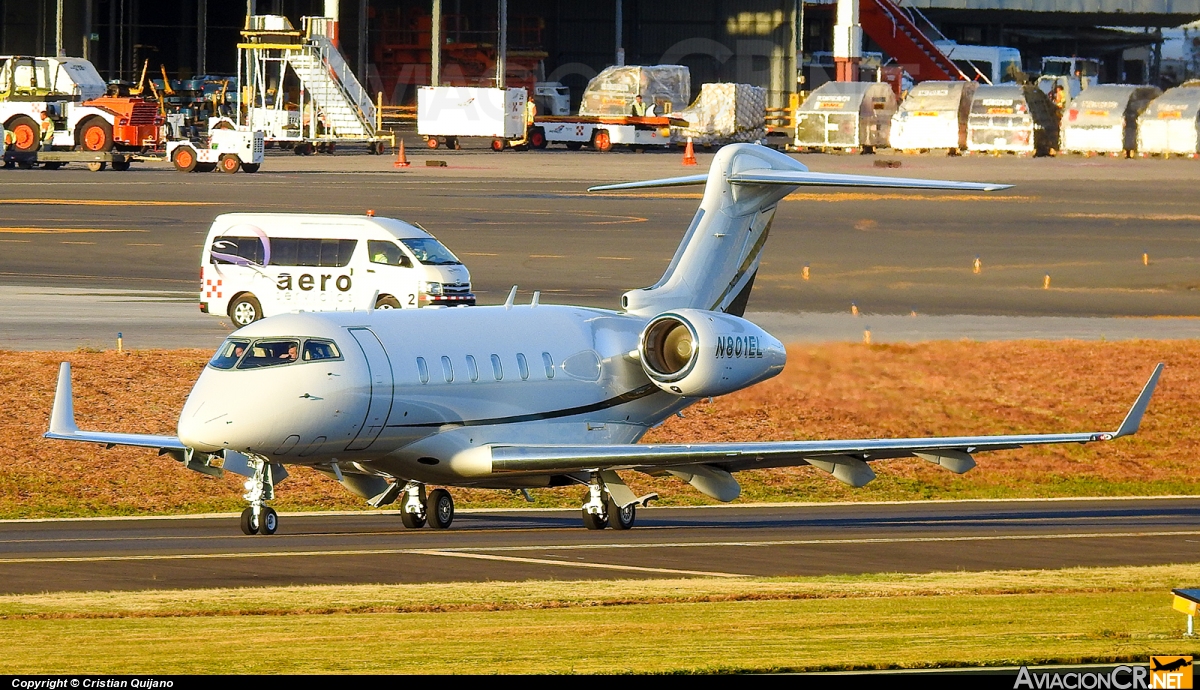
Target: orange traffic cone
[
  {"x": 689, "y": 154},
  {"x": 401, "y": 158}
]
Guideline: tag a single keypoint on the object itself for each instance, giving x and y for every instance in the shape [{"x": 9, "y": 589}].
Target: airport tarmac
[
  {"x": 1116, "y": 237},
  {"x": 731, "y": 542}
]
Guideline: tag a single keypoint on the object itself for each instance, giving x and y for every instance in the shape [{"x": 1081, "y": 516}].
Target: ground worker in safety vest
[
  {"x": 639, "y": 108},
  {"x": 8, "y": 140},
  {"x": 47, "y": 127}
]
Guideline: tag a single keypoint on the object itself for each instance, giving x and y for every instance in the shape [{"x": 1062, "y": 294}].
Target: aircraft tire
[
  {"x": 268, "y": 521},
  {"x": 412, "y": 520},
  {"x": 249, "y": 524},
  {"x": 621, "y": 518},
  {"x": 439, "y": 509},
  {"x": 594, "y": 521}
]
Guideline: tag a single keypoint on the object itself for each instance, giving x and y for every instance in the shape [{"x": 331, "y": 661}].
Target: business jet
[{"x": 517, "y": 397}]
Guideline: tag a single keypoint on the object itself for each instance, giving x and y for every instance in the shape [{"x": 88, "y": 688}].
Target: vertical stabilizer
[{"x": 714, "y": 266}]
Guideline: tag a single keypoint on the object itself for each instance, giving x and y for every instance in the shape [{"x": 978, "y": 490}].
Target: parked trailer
[
  {"x": 934, "y": 116},
  {"x": 603, "y": 133},
  {"x": 446, "y": 113},
  {"x": 849, "y": 116},
  {"x": 1011, "y": 119},
  {"x": 1103, "y": 119},
  {"x": 1169, "y": 125}
]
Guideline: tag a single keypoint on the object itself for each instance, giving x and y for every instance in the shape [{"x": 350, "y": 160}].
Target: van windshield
[{"x": 431, "y": 252}]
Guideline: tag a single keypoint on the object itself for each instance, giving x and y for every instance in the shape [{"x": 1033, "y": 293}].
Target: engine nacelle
[{"x": 697, "y": 354}]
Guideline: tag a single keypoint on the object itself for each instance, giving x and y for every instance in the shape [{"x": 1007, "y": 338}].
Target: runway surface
[{"x": 190, "y": 552}]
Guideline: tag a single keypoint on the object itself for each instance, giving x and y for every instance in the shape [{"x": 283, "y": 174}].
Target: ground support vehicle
[
  {"x": 72, "y": 94},
  {"x": 256, "y": 265},
  {"x": 296, "y": 87},
  {"x": 227, "y": 150},
  {"x": 602, "y": 133},
  {"x": 446, "y": 113}
]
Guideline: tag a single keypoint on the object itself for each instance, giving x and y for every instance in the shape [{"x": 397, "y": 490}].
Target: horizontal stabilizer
[{"x": 803, "y": 178}]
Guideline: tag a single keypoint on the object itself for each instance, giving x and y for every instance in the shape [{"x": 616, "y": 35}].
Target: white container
[
  {"x": 464, "y": 111},
  {"x": 1103, "y": 119},
  {"x": 846, "y": 115},
  {"x": 1169, "y": 125},
  {"x": 933, "y": 116}
]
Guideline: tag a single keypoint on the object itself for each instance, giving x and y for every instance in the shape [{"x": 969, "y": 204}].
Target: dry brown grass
[{"x": 827, "y": 391}]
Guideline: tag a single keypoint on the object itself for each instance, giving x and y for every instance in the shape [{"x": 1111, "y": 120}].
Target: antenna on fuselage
[{"x": 512, "y": 297}]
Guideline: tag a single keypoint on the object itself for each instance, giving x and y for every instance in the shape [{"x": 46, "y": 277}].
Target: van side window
[
  {"x": 249, "y": 248},
  {"x": 548, "y": 362},
  {"x": 497, "y": 369},
  {"x": 448, "y": 369},
  {"x": 336, "y": 253},
  {"x": 523, "y": 366},
  {"x": 308, "y": 252},
  {"x": 387, "y": 253},
  {"x": 283, "y": 251},
  {"x": 472, "y": 369},
  {"x": 423, "y": 370}
]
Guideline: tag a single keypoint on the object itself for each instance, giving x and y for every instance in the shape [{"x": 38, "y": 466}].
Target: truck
[
  {"x": 1073, "y": 74},
  {"x": 988, "y": 64},
  {"x": 90, "y": 125}
]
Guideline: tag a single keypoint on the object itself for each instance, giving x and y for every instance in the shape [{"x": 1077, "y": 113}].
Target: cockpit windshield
[
  {"x": 229, "y": 353},
  {"x": 269, "y": 352},
  {"x": 431, "y": 252}
]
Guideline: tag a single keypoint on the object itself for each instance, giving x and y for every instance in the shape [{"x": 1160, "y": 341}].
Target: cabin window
[
  {"x": 548, "y": 362},
  {"x": 423, "y": 370},
  {"x": 497, "y": 368},
  {"x": 472, "y": 369},
  {"x": 448, "y": 370},
  {"x": 523, "y": 366}
]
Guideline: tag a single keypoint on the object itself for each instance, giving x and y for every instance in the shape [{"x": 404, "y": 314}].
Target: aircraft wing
[
  {"x": 63, "y": 428},
  {"x": 845, "y": 459}
]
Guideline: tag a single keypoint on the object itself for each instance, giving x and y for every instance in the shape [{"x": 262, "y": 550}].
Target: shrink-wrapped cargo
[
  {"x": 724, "y": 114},
  {"x": 850, "y": 116},
  {"x": 612, "y": 92}
]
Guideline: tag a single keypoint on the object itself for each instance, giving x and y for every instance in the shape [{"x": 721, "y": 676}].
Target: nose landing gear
[
  {"x": 610, "y": 502},
  {"x": 418, "y": 509},
  {"x": 259, "y": 518}
]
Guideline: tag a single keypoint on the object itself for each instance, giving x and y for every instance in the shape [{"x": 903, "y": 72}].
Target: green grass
[{"x": 656, "y": 626}]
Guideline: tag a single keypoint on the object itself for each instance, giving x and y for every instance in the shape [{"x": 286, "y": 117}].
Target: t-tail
[{"x": 716, "y": 263}]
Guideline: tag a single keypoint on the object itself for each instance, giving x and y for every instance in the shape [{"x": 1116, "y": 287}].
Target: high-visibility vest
[
  {"x": 639, "y": 109},
  {"x": 10, "y": 138},
  {"x": 47, "y": 129}
]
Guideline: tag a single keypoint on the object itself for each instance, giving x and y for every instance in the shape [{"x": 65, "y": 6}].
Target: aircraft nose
[{"x": 202, "y": 420}]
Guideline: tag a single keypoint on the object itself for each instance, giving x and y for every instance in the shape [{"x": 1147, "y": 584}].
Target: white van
[{"x": 256, "y": 265}]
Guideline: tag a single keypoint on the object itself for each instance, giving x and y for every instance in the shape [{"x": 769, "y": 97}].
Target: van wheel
[
  {"x": 387, "y": 302},
  {"x": 245, "y": 310}
]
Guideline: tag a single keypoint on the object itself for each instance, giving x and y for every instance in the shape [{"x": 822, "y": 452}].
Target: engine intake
[{"x": 696, "y": 353}]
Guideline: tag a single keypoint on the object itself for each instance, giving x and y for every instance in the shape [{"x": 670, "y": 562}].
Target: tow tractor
[
  {"x": 89, "y": 126},
  {"x": 228, "y": 148},
  {"x": 603, "y": 132}
]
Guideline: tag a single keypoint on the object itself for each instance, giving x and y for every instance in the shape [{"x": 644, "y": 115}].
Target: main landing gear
[
  {"x": 418, "y": 509},
  {"x": 610, "y": 502},
  {"x": 260, "y": 518}
]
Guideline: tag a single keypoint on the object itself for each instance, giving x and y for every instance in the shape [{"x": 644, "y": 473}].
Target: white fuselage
[{"x": 415, "y": 391}]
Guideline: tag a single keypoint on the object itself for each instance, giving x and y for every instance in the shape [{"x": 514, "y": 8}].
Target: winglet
[
  {"x": 62, "y": 418},
  {"x": 1134, "y": 419}
]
